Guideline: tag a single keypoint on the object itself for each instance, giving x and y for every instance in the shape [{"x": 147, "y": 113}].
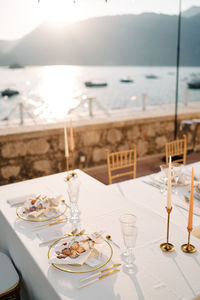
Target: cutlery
[
  {"x": 50, "y": 241},
  {"x": 55, "y": 238},
  {"x": 59, "y": 221},
  {"x": 81, "y": 232},
  {"x": 185, "y": 206},
  {"x": 152, "y": 184},
  {"x": 99, "y": 278},
  {"x": 108, "y": 237},
  {"x": 99, "y": 273}
]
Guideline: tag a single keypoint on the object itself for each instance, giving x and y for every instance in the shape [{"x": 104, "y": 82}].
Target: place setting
[{"x": 179, "y": 178}]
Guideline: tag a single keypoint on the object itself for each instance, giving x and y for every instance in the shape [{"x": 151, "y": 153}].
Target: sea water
[{"x": 49, "y": 92}]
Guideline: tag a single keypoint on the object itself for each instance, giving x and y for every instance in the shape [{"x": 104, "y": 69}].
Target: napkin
[{"x": 19, "y": 200}]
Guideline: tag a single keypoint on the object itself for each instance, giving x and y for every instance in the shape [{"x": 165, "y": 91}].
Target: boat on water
[
  {"x": 95, "y": 83},
  {"x": 194, "y": 84},
  {"x": 16, "y": 66},
  {"x": 9, "y": 93},
  {"x": 151, "y": 76},
  {"x": 126, "y": 79}
]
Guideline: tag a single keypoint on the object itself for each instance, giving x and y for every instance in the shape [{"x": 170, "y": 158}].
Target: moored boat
[
  {"x": 9, "y": 93},
  {"x": 95, "y": 83},
  {"x": 151, "y": 76},
  {"x": 16, "y": 66},
  {"x": 126, "y": 79},
  {"x": 194, "y": 84}
]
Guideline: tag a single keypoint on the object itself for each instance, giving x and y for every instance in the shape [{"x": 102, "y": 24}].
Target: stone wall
[{"x": 40, "y": 152}]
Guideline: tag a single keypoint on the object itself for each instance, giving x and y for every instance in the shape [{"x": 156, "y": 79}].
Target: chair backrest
[
  {"x": 119, "y": 161},
  {"x": 9, "y": 283},
  {"x": 177, "y": 149}
]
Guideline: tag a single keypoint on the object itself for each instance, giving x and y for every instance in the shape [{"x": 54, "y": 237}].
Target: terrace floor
[{"x": 145, "y": 166}]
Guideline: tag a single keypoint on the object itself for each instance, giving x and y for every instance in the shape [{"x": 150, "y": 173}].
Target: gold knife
[
  {"x": 99, "y": 278},
  {"x": 58, "y": 221},
  {"x": 99, "y": 273}
]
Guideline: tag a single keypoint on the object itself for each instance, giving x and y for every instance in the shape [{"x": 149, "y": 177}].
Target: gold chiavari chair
[
  {"x": 177, "y": 149},
  {"x": 117, "y": 162}
]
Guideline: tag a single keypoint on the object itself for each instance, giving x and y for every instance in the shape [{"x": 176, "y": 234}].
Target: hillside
[{"x": 146, "y": 39}]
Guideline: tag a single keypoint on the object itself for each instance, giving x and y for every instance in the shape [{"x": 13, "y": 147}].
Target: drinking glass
[
  {"x": 176, "y": 172},
  {"x": 73, "y": 188},
  {"x": 164, "y": 178},
  {"x": 129, "y": 232}
]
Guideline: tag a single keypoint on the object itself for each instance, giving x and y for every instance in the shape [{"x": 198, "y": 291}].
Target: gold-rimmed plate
[
  {"x": 61, "y": 210},
  {"x": 104, "y": 257}
]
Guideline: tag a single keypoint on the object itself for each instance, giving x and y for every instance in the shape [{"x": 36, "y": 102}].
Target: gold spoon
[{"x": 108, "y": 237}]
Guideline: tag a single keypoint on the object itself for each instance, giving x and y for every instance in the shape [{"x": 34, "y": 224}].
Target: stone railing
[{"x": 37, "y": 151}]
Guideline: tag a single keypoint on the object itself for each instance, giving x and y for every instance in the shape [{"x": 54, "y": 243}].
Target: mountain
[
  {"x": 146, "y": 39},
  {"x": 192, "y": 11}
]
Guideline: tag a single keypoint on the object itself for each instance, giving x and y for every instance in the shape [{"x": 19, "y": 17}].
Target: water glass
[
  {"x": 164, "y": 178},
  {"x": 129, "y": 232},
  {"x": 73, "y": 188},
  {"x": 176, "y": 172}
]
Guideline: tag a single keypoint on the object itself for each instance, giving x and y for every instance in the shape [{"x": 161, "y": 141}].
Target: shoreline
[{"x": 99, "y": 117}]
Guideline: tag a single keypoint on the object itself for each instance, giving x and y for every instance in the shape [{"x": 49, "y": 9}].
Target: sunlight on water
[
  {"x": 57, "y": 87},
  {"x": 50, "y": 92}
]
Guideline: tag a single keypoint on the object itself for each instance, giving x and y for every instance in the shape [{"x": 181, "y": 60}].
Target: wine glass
[
  {"x": 129, "y": 232},
  {"x": 164, "y": 178},
  {"x": 176, "y": 173},
  {"x": 73, "y": 188}
]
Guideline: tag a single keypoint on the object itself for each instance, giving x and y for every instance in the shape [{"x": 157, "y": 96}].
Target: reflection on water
[
  {"x": 57, "y": 88},
  {"x": 51, "y": 91}
]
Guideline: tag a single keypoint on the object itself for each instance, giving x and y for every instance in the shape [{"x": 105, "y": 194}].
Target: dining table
[{"x": 156, "y": 275}]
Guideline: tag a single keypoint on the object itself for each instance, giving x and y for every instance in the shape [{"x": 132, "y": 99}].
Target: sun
[{"x": 60, "y": 11}]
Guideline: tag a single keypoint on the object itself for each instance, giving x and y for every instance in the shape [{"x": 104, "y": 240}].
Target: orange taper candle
[
  {"x": 71, "y": 137},
  {"x": 190, "y": 216}
]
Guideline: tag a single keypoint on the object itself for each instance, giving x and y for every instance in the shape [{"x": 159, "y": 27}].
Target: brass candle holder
[
  {"x": 167, "y": 247},
  {"x": 188, "y": 248},
  {"x": 67, "y": 163},
  {"x": 72, "y": 155}
]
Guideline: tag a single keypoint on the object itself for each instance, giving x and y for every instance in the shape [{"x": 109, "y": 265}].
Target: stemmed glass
[
  {"x": 129, "y": 232},
  {"x": 164, "y": 178},
  {"x": 73, "y": 188},
  {"x": 176, "y": 173}
]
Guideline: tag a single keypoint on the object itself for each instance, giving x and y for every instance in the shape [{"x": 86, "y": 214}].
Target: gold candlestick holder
[
  {"x": 188, "y": 248},
  {"x": 72, "y": 160},
  {"x": 67, "y": 163},
  {"x": 167, "y": 247}
]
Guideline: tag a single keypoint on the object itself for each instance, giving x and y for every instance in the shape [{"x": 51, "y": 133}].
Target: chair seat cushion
[{"x": 8, "y": 274}]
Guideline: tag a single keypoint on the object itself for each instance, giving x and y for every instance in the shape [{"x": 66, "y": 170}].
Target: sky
[{"x": 19, "y": 17}]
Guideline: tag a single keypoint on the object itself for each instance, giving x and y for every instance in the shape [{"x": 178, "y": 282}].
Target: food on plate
[
  {"x": 36, "y": 207},
  {"x": 73, "y": 250}
]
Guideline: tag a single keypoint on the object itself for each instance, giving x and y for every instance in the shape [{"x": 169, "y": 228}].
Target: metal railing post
[
  {"x": 144, "y": 101},
  {"x": 21, "y": 111},
  {"x": 186, "y": 94}
]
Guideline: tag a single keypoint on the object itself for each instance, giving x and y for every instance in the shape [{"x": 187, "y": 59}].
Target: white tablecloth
[{"x": 157, "y": 275}]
